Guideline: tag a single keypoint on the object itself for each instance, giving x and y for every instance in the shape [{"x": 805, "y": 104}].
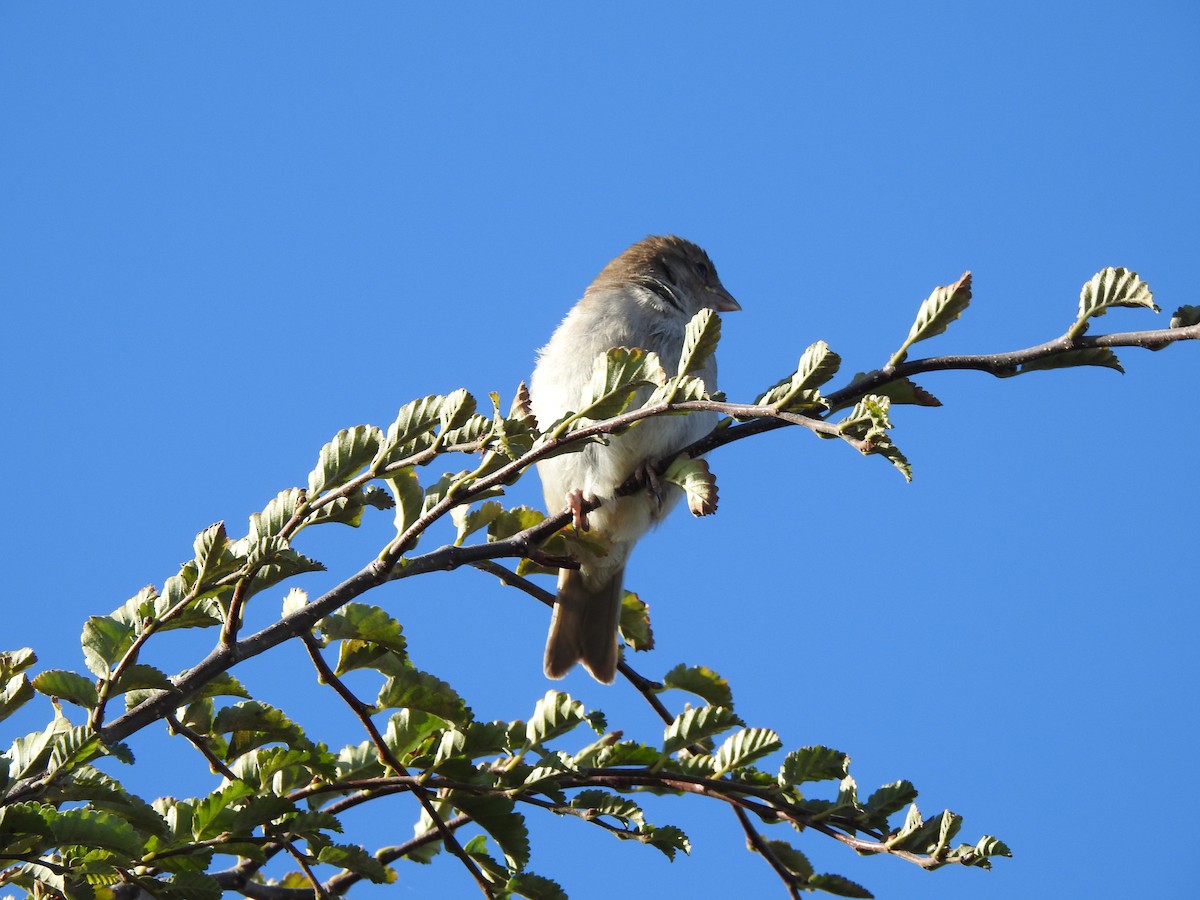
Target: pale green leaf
[
  {"x": 617, "y": 377},
  {"x": 745, "y": 746},
  {"x": 699, "y": 341},
  {"x": 701, "y": 681},
  {"x": 350, "y": 451},
  {"x": 635, "y": 622},
  {"x": 1185, "y": 317},
  {"x": 409, "y": 497},
  {"x": 697, "y": 481},
  {"x": 1085, "y": 356},
  {"x": 800, "y": 390},
  {"x": 814, "y": 763},
  {"x": 553, "y": 715},
  {"x": 1108, "y": 288},
  {"x": 69, "y": 686},
  {"x": 936, "y": 314},
  {"x": 695, "y": 724}
]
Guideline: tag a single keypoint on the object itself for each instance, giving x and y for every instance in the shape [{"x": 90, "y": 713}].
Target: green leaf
[
  {"x": 697, "y": 481},
  {"x": 791, "y": 859},
  {"x": 370, "y": 624},
  {"x": 813, "y": 763},
  {"x": 666, "y": 838},
  {"x": 355, "y": 859},
  {"x": 839, "y": 886},
  {"x": 496, "y": 816},
  {"x": 456, "y": 409},
  {"x": 694, "y": 725},
  {"x": 617, "y": 376},
  {"x": 350, "y": 451},
  {"x": 414, "y": 689},
  {"x": 468, "y": 519},
  {"x": 743, "y": 747},
  {"x": 277, "y": 513},
  {"x": 105, "y": 640},
  {"x": 594, "y": 803},
  {"x": 408, "y": 729},
  {"x": 869, "y": 422},
  {"x": 252, "y": 724},
  {"x": 904, "y": 391},
  {"x": 535, "y": 887},
  {"x": 553, "y": 715},
  {"x": 189, "y": 886},
  {"x": 889, "y": 799},
  {"x": 1185, "y": 317},
  {"x": 635, "y": 622},
  {"x": 940, "y": 309},
  {"x": 214, "y": 557},
  {"x": 69, "y": 686},
  {"x": 409, "y": 497},
  {"x": 15, "y": 692},
  {"x": 409, "y": 434},
  {"x": 699, "y": 341},
  {"x": 92, "y": 828},
  {"x": 1085, "y": 356},
  {"x": 1108, "y": 288},
  {"x": 799, "y": 391},
  {"x": 701, "y": 681}
]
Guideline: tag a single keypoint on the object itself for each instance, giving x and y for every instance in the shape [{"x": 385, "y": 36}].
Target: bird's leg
[
  {"x": 575, "y": 505},
  {"x": 647, "y": 473}
]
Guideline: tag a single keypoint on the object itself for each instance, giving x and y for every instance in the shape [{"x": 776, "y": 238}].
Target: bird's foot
[
  {"x": 578, "y": 515},
  {"x": 646, "y": 473}
]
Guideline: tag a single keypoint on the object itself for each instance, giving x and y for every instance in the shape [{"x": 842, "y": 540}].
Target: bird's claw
[{"x": 575, "y": 505}]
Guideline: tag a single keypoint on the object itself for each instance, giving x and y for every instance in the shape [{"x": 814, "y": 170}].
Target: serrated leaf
[
  {"x": 904, "y": 391},
  {"x": 105, "y": 640},
  {"x": 414, "y": 689},
  {"x": 1108, "y": 288},
  {"x": 213, "y": 555},
  {"x": 409, "y": 728},
  {"x": 469, "y": 519},
  {"x": 696, "y": 724},
  {"x": 814, "y": 763},
  {"x": 701, "y": 681},
  {"x": 889, "y": 799},
  {"x": 593, "y": 803},
  {"x": 362, "y": 622},
  {"x": 409, "y": 497},
  {"x": 1185, "y": 317},
  {"x": 496, "y": 815},
  {"x": 69, "y": 686},
  {"x": 936, "y": 314},
  {"x": 410, "y": 432},
  {"x": 534, "y": 887},
  {"x": 1085, "y": 356},
  {"x": 15, "y": 692},
  {"x": 554, "y": 714},
  {"x": 800, "y": 390},
  {"x": 791, "y": 859},
  {"x": 635, "y": 622},
  {"x": 92, "y": 828},
  {"x": 666, "y": 838},
  {"x": 355, "y": 859},
  {"x": 274, "y": 516},
  {"x": 456, "y": 409},
  {"x": 700, "y": 340},
  {"x": 617, "y": 377},
  {"x": 252, "y": 724},
  {"x": 839, "y": 886},
  {"x": 743, "y": 747},
  {"x": 697, "y": 481},
  {"x": 347, "y": 454}
]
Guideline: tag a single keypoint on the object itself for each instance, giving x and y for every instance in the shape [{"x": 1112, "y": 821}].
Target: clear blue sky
[{"x": 229, "y": 230}]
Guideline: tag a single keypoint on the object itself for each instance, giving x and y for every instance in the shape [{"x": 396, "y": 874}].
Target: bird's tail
[{"x": 584, "y": 626}]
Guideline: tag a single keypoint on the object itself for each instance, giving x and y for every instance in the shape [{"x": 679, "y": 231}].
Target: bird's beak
[{"x": 725, "y": 301}]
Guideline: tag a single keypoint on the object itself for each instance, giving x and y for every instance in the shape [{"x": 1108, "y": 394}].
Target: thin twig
[{"x": 389, "y": 759}]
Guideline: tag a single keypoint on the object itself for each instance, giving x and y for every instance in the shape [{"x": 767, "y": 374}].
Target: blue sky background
[{"x": 229, "y": 230}]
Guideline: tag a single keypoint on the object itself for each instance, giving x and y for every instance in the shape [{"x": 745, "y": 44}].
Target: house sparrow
[{"x": 643, "y": 298}]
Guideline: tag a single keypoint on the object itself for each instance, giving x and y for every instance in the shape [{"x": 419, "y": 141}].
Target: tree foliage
[{"x": 69, "y": 828}]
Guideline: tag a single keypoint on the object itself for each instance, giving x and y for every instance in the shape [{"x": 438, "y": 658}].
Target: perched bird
[{"x": 643, "y": 298}]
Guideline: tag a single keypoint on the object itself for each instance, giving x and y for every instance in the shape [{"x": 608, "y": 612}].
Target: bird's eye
[{"x": 704, "y": 270}]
